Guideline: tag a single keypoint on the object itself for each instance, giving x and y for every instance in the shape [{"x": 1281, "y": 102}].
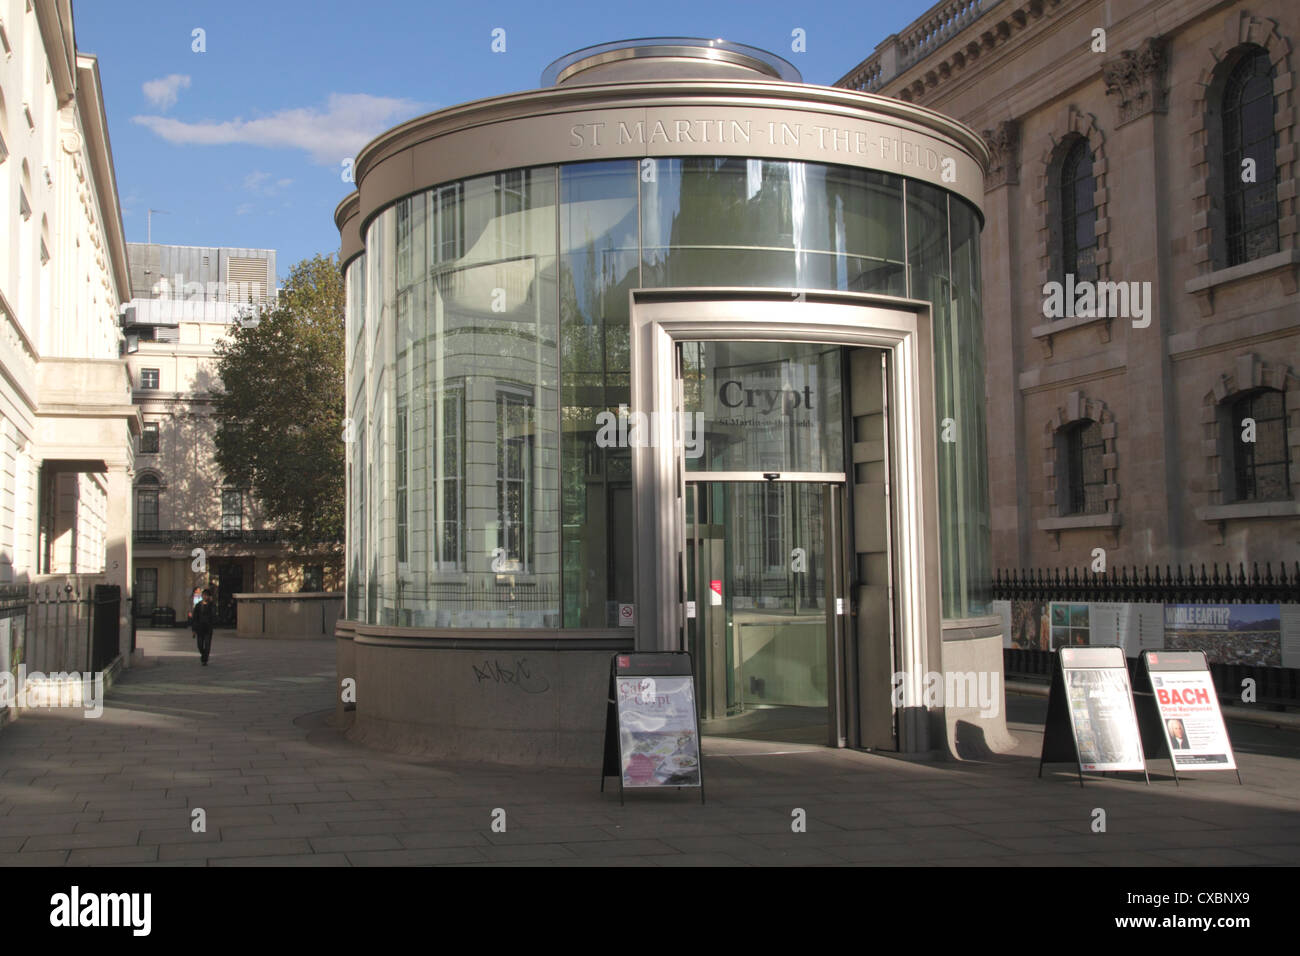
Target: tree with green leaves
[{"x": 279, "y": 407}]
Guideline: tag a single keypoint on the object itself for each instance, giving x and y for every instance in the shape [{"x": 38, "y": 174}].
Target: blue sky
[{"x": 241, "y": 144}]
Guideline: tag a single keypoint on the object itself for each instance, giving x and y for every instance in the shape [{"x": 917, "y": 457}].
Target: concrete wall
[
  {"x": 509, "y": 701},
  {"x": 974, "y": 728},
  {"x": 307, "y": 615}
]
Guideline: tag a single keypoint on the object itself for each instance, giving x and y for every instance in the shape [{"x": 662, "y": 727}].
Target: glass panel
[
  {"x": 354, "y": 314},
  {"x": 467, "y": 529},
  {"x": 762, "y": 406},
  {"x": 498, "y": 286},
  {"x": 599, "y": 264},
  {"x": 959, "y": 389},
  {"x": 761, "y": 596},
  {"x": 749, "y": 222}
]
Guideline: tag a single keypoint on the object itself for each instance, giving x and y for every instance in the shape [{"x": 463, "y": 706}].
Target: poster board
[
  {"x": 1179, "y": 710},
  {"x": 652, "y": 732},
  {"x": 1091, "y": 719},
  {"x": 1248, "y": 634}
]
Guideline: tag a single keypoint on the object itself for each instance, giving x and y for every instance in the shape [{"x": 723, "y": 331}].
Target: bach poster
[{"x": 1191, "y": 719}]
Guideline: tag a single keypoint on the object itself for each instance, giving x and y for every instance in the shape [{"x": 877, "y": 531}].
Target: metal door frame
[{"x": 661, "y": 318}]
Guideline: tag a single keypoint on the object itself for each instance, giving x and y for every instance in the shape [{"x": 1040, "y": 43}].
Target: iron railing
[
  {"x": 207, "y": 536},
  {"x": 60, "y": 626},
  {"x": 1274, "y": 686},
  {"x": 1152, "y": 585}
]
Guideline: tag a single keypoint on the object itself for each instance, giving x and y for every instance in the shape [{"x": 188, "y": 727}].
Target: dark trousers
[{"x": 204, "y": 637}]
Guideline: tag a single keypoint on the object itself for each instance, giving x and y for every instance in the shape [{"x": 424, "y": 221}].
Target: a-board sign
[
  {"x": 1179, "y": 709},
  {"x": 652, "y": 733},
  {"x": 1091, "y": 719}
]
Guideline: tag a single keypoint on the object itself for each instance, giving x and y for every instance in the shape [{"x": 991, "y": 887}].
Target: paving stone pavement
[{"x": 249, "y": 741}]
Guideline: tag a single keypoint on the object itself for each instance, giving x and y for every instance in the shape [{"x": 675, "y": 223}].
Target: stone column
[
  {"x": 1009, "y": 510},
  {"x": 1136, "y": 79},
  {"x": 117, "y": 560}
]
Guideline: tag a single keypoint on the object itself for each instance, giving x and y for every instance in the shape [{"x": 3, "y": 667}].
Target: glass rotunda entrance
[{"x": 655, "y": 357}]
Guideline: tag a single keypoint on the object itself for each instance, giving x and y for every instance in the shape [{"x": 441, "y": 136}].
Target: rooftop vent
[{"x": 668, "y": 58}]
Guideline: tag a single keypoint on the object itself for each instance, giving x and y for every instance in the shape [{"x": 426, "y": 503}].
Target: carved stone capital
[
  {"x": 1004, "y": 146},
  {"x": 1137, "y": 79}
]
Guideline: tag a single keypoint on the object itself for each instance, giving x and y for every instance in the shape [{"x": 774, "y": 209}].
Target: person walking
[
  {"x": 195, "y": 598},
  {"x": 205, "y": 616}
]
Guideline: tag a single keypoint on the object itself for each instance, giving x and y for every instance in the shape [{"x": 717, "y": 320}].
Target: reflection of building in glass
[{"x": 502, "y": 348}]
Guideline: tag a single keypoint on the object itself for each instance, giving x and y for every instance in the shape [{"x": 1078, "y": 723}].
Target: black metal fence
[
  {"x": 60, "y": 626},
  {"x": 1274, "y": 687},
  {"x": 1152, "y": 586},
  {"x": 105, "y": 635}
]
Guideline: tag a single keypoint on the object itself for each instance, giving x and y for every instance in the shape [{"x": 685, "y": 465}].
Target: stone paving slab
[{"x": 248, "y": 740}]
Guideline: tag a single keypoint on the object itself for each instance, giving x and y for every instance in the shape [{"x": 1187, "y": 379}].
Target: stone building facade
[
  {"x": 67, "y": 424},
  {"x": 1144, "y": 155},
  {"x": 184, "y": 301}
]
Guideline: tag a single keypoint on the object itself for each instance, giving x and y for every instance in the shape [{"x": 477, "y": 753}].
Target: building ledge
[
  {"x": 1053, "y": 327},
  {"x": 287, "y": 595},
  {"x": 1249, "y": 509},
  {"x": 1108, "y": 519},
  {"x": 1060, "y": 325},
  {"x": 972, "y": 628},
  {"x": 1282, "y": 264}
]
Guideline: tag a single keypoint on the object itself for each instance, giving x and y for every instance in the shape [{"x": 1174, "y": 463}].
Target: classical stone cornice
[
  {"x": 914, "y": 78},
  {"x": 94, "y": 125},
  {"x": 1003, "y": 142},
  {"x": 1136, "y": 78}
]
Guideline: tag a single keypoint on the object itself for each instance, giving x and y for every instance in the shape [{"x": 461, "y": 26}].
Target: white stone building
[{"x": 66, "y": 416}]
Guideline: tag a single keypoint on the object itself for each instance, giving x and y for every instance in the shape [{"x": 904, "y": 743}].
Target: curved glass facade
[{"x": 488, "y": 328}]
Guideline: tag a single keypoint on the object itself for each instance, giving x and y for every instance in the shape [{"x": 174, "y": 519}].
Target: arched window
[
  {"x": 146, "y": 503},
  {"x": 1249, "y": 201},
  {"x": 1084, "y": 476},
  {"x": 1078, "y": 212},
  {"x": 1259, "y": 460}
]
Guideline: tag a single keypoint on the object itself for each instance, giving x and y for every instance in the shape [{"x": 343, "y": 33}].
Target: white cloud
[
  {"x": 163, "y": 92},
  {"x": 261, "y": 183},
  {"x": 329, "y": 135}
]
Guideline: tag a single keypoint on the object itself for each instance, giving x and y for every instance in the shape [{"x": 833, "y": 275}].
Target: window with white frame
[{"x": 516, "y": 429}]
